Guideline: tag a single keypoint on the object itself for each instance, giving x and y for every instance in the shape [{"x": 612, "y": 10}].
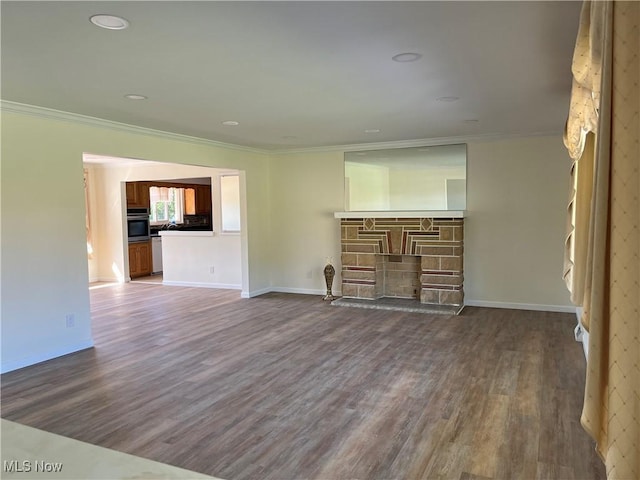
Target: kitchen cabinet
[
  {"x": 137, "y": 194},
  {"x": 190, "y": 201},
  {"x": 139, "y": 259},
  {"x": 203, "y": 200}
]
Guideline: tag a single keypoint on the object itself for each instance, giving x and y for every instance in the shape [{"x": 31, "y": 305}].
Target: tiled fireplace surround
[{"x": 419, "y": 258}]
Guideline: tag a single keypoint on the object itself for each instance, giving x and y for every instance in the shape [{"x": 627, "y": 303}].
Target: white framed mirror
[{"x": 401, "y": 179}]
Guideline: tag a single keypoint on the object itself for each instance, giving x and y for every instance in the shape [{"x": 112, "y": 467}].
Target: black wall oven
[{"x": 138, "y": 224}]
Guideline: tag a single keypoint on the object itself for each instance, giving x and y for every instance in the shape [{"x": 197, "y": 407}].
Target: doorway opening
[{"x": 202, "y": 245}]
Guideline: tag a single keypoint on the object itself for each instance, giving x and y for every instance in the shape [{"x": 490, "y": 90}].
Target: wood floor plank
[
  {"x": 521, "y": 445},
  {"x": 449, "y": 462},
  {"x": 527, "y": 398},
  {"x": 287, "y": 386},
  {"x": 489, "y": 437}
]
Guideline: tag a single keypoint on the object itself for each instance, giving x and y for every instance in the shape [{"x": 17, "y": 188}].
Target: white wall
[
  {"x": 514, "y": 232},
  {"x": 515, "y": 226},
  {"x": 187, "y": 260},
  {"x": 306, "y": 190},
  {"x": 44, "y": 259},
  {"x": 43, "y": 231}
]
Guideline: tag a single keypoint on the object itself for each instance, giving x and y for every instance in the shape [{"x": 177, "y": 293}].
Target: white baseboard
[
  {"x": 304, "y": 291},
  {"x": 15, "y": 364},
  {"x": 255, "y": 293},
  {"x": 112, "y": 279},
  {"x": 521, "y": 306},
  {"x": 227, "y": 286}
]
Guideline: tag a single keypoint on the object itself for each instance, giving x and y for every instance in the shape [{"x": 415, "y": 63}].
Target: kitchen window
[{"x": 167, "y": 205}]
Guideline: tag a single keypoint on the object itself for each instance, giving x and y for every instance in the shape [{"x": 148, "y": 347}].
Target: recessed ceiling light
[
  {"x": 406, "y": 57},
  {"x": 447, "y": 99},
  {"x": 230, "y": 123},
  {"x": 372, "y": 130},
  {"x": 110, "y": 22},
  {"x": 135, "y": 96}
]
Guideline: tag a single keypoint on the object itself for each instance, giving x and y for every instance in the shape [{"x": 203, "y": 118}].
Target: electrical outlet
[
  {"x": 70, "y": 320},
  {"x": 211, "y": 269}
]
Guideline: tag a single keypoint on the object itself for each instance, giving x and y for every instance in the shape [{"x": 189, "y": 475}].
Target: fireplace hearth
[{"x": 405, "y": 257}]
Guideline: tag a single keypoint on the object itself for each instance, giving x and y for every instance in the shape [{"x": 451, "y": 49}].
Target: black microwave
[{"x": 138, "y": 225}]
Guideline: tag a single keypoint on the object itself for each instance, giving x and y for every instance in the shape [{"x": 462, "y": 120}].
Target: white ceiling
[{"x": 298, "y": 74}]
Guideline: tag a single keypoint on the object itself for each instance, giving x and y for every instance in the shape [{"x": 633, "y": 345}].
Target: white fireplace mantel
[{"x": 403, "y": 214}]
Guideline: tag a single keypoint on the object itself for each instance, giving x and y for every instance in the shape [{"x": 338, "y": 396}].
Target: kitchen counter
[
  {"x": 201, "y": 259},
  {"x": 186, "y": 233}
]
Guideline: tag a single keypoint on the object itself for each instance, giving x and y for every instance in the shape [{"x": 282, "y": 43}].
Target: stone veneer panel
[{"x": 437, "y": 241}]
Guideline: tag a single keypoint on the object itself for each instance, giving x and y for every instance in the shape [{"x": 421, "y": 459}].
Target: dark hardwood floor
[{"x": 288, "y": 387}]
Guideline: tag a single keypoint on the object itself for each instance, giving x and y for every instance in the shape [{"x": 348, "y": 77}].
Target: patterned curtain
[
  {"x": 158, "y": 194},
  {"x": 582, "y": 124},
  {"x": 603, "y": 247}
]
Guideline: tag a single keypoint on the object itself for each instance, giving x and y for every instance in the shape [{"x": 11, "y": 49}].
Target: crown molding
[
  {"x": 43, "y": 112},
  {"x": 424, "y": 142},
  {"x": 49, "y": 113}
]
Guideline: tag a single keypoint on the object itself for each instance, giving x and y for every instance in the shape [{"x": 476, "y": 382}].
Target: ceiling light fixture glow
[
  {"x": 230, "y": 123},
  {"x": 110, "y": 22},
  {"x": 372, "y": 130},
  {"x": 406, "y": 57},
  {"x": 135, "y": 96}
]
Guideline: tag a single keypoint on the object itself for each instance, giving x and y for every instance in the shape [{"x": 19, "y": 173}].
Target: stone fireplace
[{"x": 403, "y": 257}]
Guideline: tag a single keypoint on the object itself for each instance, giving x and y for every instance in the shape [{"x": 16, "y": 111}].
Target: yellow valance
[{"x": 587, "y": 74}]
